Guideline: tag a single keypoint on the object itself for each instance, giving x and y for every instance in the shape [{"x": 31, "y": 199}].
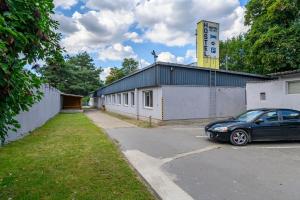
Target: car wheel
[{"x": 239, "y": 137}]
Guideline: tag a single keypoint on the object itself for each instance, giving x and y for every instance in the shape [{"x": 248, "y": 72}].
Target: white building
[
  {"x": 283, "y": 92},
  {"x": 167, "y": 91}
]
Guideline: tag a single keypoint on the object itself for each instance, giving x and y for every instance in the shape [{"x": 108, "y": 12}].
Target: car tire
[{"x": 239, "y": 137}]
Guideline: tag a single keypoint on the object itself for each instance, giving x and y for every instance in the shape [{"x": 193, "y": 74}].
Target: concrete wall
[
  {"x": 188, "y": 102},
  {"x": 231, "y": 101},
  {"x": 182, "y": 102},
  {"x": 38, "y": 114},
  {"x": 138, "y": 110},
  {"x": 276, "y": 95}
]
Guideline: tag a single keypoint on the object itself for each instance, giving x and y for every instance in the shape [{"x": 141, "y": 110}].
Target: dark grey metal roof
[
  {"x": 162, "y": 73},
  {"x": 297, "y": 71}
]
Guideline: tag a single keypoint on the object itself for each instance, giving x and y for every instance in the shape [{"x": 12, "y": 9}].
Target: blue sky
[{"x": 112, "y": 30}]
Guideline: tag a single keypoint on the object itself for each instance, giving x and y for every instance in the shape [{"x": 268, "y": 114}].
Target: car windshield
[{"x": 249, "y": 116}]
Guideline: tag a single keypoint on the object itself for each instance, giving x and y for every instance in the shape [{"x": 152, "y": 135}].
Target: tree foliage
[
  {"x": 274, "y": 37},
  {"x": 272, "y": 43},
  {"x": 114, "y": 74},
  {"x": 27, "y": 34},
  {"x": 232, "y": 54},
  {"x": 129, "y": 65},
  {"x": 75, "y": 74}
]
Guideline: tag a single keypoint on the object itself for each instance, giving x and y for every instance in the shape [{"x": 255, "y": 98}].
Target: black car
[{"x": 257, "y": 125}]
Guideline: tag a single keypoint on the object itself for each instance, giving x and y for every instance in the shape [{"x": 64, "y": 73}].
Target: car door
[
  {"x": 267, "y": 127},
  {"x": 290, "y": 123}
]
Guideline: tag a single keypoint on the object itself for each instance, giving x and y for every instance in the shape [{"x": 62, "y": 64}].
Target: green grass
[
  {"x": 139, "y": 123},
  {"x": 67, "y": 158}
]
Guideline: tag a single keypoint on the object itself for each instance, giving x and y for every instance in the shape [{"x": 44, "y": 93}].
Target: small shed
[{"x": 71, "y": 101}]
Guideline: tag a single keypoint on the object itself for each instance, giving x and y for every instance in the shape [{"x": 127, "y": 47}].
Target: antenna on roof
[{"x": 154, "y": 56}]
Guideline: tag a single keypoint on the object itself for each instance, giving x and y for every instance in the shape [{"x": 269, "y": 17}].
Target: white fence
[{"x": 39, "y": 113}]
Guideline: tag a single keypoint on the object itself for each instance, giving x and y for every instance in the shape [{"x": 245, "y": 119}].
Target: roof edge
[
  {"x": 185, "y": 66},
  {"x": 296, "y": 71},
  {"x": 210, "y": 69}
]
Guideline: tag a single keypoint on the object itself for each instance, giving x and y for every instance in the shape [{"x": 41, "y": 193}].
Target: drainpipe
[{"x": 137, "y": 103}]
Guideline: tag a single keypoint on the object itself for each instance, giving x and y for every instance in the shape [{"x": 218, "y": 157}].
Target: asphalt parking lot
[{"x": 181, "y": 163}]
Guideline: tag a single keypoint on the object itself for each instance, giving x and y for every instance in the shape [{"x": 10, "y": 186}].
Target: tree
[
  {"x": 27, "y": 34},
  {"x": 233, "y": 54},
  {"x": 273, "y": 41},
  {"x": 114, "y": 74},
  {"x": 129, "y": 65},
  {"x": 76, "y": 75}
]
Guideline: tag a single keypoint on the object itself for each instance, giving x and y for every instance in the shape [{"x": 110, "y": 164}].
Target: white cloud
[
  {"x": 180, "y": 59},
  {"x": 65, "y": 4},
  {"x": 111, "y": 4},
  {"x": 116, "y": 52},
  {"x": 190, "y": 55},
  {"x": 169, "y": 57},
  {"x": 160, "y": 33},
  {"x": 133, "y": 36},
  {"x": 107, "y": 24},
  {"x": 67, "y": 25},
  {"x": 97, "y": 29},
  {"x": 144, "y": 63},
  {"x": 105, "y": 73},
  {"x": 173, "y": 23},
  {"x": 238, "y": 24}
]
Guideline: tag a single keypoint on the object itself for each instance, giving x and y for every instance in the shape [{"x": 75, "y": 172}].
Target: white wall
[
  {"x": 185, "y": 102},
  {"x": 138, "y": 110},
  {"x": 38, "y": 114},
  {"x": 276, "y": 95},
  {"x": 193, "y": 102},
  {"x": 231, "y": 101}
]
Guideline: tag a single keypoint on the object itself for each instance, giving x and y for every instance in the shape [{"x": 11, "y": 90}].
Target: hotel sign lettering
[{"x": 211, "y": 39}]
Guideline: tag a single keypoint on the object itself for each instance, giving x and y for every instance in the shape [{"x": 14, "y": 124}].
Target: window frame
[
  {"x": 294, "y": 111},
  {"x": 151, "y": 99},
  {"x": 125, "y": 99},
  {"x": 278, "y": 116},
  {"x": 288, "y": 88},
  {"x": 263, "y": 96},
  {"x": 113, "y": 99},
  {"x": 132, "y": 98},
  {"x": 119, "y": 99}
]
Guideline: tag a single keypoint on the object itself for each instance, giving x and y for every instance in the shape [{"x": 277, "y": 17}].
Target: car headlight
[{"x": 221, "y": 129}]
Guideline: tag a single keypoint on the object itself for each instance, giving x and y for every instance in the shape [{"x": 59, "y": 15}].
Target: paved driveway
[{"x": 181, "y": 163}]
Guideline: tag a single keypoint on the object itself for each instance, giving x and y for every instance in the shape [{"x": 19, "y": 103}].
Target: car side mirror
[{"x": 258, "y": 121}]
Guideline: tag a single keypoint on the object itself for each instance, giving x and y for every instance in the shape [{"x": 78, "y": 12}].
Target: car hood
[{"x": 225, "y": 123}]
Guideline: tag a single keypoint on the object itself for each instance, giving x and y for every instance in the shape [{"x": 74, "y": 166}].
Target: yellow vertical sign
[{"x": 208, "y": 44}]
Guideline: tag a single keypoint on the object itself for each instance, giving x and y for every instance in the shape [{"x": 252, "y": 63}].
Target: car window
[
  {"x": 249, "y": 115},
  {"x": 270, "y": 116},
  {"x": 289, "y": 115}
]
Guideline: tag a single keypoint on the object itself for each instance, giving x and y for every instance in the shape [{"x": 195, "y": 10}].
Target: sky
[{"x": 111, "y": 30}]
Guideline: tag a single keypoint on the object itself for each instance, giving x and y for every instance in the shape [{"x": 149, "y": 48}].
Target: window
[
  {"x": 262, "y": 96},
  {"x": 249, "y": 115},
  {"x": 132, "y": 98},
  {"x": 289, "y": 115},
  {"x": 270, "y": 116},
  {"x": 148, "y": 99},
  {"x": 293, "y": 87},
  {"x": 119, "y": 100},
  {"x": 125, "y": 99},
  {"x": 113, "y": 99}
]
